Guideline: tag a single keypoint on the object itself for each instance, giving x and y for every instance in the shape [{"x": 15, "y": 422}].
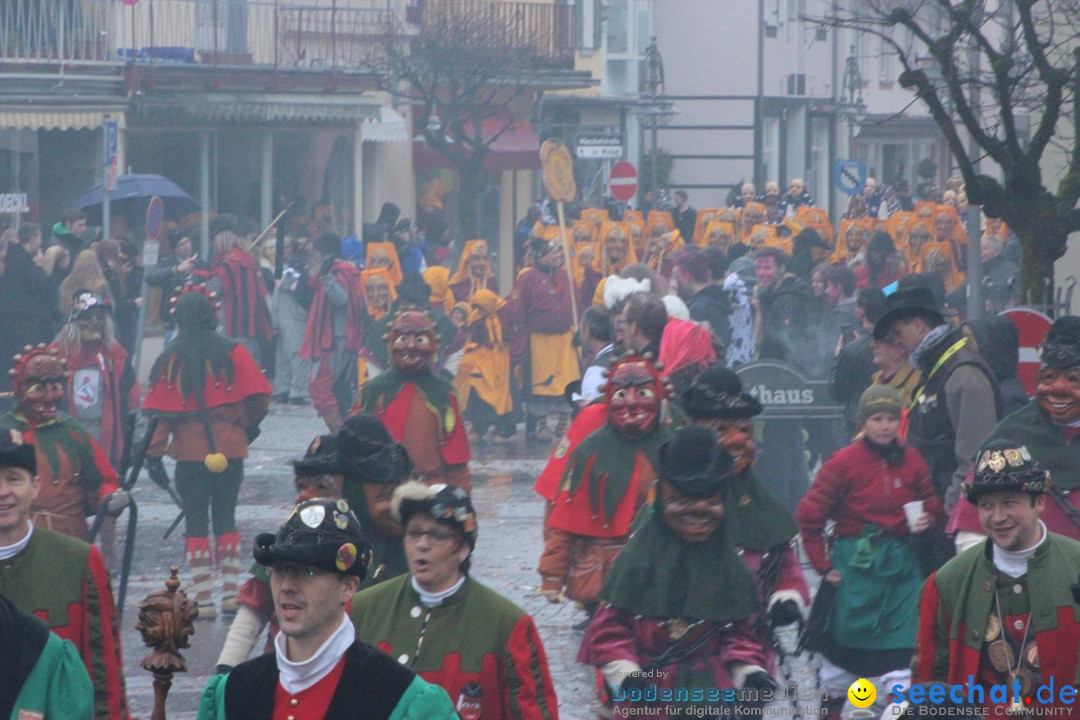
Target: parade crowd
[{"x": 678, "y": 515}]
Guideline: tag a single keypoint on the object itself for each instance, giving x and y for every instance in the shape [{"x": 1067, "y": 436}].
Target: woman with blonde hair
[{"x": 86, "y": 274}]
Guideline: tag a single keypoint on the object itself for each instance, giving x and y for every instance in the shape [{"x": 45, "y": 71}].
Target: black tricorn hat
[
  {"x": 694, "y": 463},
  {"x": 717, "y": 393},
  {"x": 321, "y": 458},
  {"x": 1005, "y": 465},
  {"x": 320, "y": 533},
  {"x": 907, "y": 303},
  {"x": 16, "y": 452},
  {"x": 1061, "y": 346},
  {"x": 368, "y": 453}
]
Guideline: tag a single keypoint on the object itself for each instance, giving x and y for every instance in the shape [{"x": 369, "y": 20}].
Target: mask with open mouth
[
  {"x": 39, "y": 384},
  {"x": 634, "y": 394},
  {"x": 413, "y": 342}
]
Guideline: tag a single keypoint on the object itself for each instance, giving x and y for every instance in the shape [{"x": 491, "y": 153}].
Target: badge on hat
[
  {"x": 346, "y": 557},
  {"x": 313, "y": 515}
]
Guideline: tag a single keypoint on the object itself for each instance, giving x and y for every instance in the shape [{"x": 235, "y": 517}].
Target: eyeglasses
[
  {"x": 294, "y": 571},
  {"x": 437, "y": 537}
]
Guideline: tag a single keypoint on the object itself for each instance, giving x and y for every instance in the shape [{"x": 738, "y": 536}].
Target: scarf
[
  {"x": 892, "y": 453},
  {"x": 432, "y": 600},
  {"x": 927, "y": 342},
  {"x": 296, "y": 677},
  {"x": 659, "y": 575},
  {"x": 755, "y": 519}
]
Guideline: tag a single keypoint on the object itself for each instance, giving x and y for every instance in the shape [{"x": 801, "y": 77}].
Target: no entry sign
[
  {"x": 1032, "y": 327},
  {"x": 623, "y": 181}
]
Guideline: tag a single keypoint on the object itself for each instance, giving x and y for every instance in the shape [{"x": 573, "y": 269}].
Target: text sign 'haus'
[{"x": 786, "y": 393}]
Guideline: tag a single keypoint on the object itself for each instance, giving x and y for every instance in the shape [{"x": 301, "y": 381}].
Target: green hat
[
  {"x": 879, "y": 398},
  {"x": 16, "y": 452},
  {"x": 1005, "y": 465}
]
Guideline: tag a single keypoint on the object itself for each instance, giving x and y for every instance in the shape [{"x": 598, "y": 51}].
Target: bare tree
[
  {"x": 1003, "y": 74},
  {"x": 462, "y": 70}
]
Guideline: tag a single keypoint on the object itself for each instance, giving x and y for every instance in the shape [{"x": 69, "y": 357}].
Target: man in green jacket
[
  {"x": 1004, "y": 613},
  {"x": 40, "y": 674},
  {"x": 317, "y": 560}
]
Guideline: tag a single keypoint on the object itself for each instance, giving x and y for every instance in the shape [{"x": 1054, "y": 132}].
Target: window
[
  {"x": 770, "y": 147},
  {"x": 618, "y": 21},
  {"x": 885, "y": 62}
]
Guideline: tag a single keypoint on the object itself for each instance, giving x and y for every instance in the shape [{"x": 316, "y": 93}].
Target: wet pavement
[{"x": 507, "y": 550}]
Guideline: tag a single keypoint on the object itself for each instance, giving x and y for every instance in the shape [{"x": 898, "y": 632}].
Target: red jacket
[{"x": 856, "y": 487}]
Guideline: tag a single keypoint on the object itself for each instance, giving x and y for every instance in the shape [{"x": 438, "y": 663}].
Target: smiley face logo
[{"x": 862, "y": 693}]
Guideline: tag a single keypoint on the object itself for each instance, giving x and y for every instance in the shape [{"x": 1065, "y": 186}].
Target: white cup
[{"x": 913, "y": 511}]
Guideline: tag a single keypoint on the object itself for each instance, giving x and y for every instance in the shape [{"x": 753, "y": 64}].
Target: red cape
[
  {"x": 319, "y": 331},
  {"x": 587, "y": 421},
  {"x": 247, "y": 380}
]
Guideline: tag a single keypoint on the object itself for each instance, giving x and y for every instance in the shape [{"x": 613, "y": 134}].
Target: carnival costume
[
  {"x": 418, "y": 407},
  {"x": 481, "y": 648},
  {"x": 209, "y": 397}
]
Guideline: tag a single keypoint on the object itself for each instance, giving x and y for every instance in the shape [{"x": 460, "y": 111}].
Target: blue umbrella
[{"x": 132, "y": 193}]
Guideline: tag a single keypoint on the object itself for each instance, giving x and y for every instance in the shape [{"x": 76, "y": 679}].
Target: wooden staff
[
  {"x": 561, "y": 187},
  {"x": 268, "y": 228}
]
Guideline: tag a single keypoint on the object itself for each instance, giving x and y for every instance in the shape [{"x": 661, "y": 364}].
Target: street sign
[
  {"x": 604, "y": 147},
  {"x": 112, "y": 134},
  {"x": 623, "y": 181},
  {"x": 849, "y": 176},
  {"x": 788, "y": 394},
  {"x": 1032, "y": 327},
  {"x": 14, "y": 203},
  {"x": 155, "y": 215}
]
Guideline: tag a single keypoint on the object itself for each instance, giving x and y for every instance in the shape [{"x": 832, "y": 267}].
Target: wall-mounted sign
[
  {"x": 787, "y": 393},
  {"x": 14, "y": 203},
  {"x": 600, "y": 146}
]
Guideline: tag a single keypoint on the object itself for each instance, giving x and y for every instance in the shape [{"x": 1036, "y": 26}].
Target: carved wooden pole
[{"x": 166, "y": 621}]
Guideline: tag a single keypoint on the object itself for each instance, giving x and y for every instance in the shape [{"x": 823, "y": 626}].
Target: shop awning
[
  {"x": 59, "y": 118},
  {"x": 388, "y": 126},
  {"x": 516, "y": 149},
  {"x": 255, "y": 107}
]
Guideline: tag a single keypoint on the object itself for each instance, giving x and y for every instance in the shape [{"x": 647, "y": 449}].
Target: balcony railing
[
  {"x": 330, "y": 34},
  {"x": 546, "y": 26},
  {"x": 325, "y": 34}
]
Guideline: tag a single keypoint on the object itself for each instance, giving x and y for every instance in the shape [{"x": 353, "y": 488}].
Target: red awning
[{"x": 516, "y": 149}]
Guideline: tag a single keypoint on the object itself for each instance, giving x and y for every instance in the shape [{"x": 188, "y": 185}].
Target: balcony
[
  {"x": 548, "y": 27},
  {"x": 317, "y": 34}
]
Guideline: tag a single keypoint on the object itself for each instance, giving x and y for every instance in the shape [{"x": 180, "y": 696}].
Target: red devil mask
[
  {"x": 634, "y": 392},
  {"x": 412, "y": 342},
  {"x": 39, "y": 384}
]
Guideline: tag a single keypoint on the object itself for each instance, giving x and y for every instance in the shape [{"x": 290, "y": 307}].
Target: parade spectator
[
  {"x": 957, "y": 405},
  {"x": 44, "y": 675},
  {"x": 289, "y": 310},
  {"x": 61, "y": 580},
  {"x": 894, "y": 370},
  {"x": 172, "y": 272},
  {"x": 454, "y": 632},
  {"x": 597, "y": 338},
  {"x": 739, "y": 285},
  {"x": 643, "y": 319},
  {"x": 853, "y": 369},
  {"x": 686, "y": 349},
  {"x": 1047, "y": 426},
  {"x": 866, "y": 489},
  {"x": 76, "y": 476},
  {"x": 235, "y": 277},
  {"x": 685, "y": 217},
  {"x": 808, "y": 249},
  {"x": 70, "y": 232},
  {"x": 1000, "y": 275},
  {"x": 209, "y": 397},
  {"x": 707, "y": 302},
  {"x": 27, "y": 299},
  {"x": 334, "y": 334},
  {"x": 542, "y": 307},
  {"x": 998, "y": 341},
  {"x": 840, "y": 299},
  {"x": 417, "y": 406},
  {"x": 316, "y": 561},
  {"x": 1004, "y": 585},
  {"x": 679, "y": 570}
]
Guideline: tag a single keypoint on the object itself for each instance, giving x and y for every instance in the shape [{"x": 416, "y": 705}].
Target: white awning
[
  {"x": 387, "y": 127},
  {"x": 59, "y": 118}
]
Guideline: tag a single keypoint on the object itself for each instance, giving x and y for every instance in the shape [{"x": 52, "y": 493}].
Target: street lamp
[
  {"x": 655, "y": 110},
  {"x": 851, "y": 104}
]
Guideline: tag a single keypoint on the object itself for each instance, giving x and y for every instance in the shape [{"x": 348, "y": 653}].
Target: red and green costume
[
  {"x": 958, "y": 621},
  {"x": 421, "y": 412},
  {"x": 74, "y": 470},
  {"x": 64, "y": 582},
  {"x": 477, "y": 645}
]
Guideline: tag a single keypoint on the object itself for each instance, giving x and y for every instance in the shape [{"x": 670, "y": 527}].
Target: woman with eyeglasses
[{"x": 451, "y": 630}]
